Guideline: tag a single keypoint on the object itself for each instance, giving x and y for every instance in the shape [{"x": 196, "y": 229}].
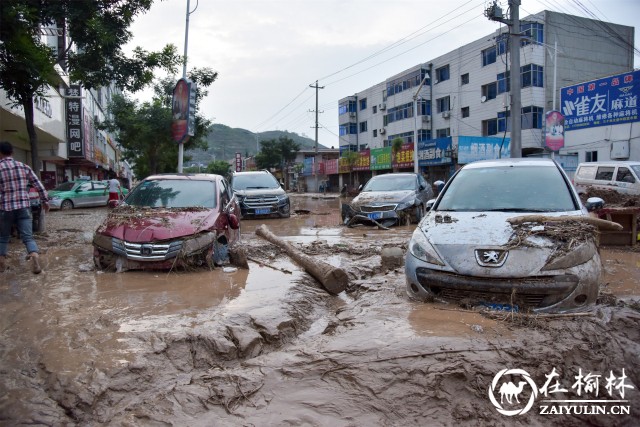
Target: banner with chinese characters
[
  {"x": 404, "y": 157},
  {"x": 307, "y": 169},
  {"x": 363, "y": 161},
  {"x": 608, "y": 101},
  {"x": 331, "y": 167},
  {"x": 343, "y": 165},
  {"x": 381, "y": 158},
  {"x": 73, "y": 108},
  {"x": 434, "y": 151}
]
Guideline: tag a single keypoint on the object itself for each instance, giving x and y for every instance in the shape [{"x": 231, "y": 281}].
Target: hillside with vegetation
[{"x": 225, "y": 141}]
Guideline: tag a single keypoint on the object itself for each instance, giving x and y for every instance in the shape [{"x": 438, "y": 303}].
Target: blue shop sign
[
  {"x": 608, "y": 101},
  {"x": 434, "y": 152}
]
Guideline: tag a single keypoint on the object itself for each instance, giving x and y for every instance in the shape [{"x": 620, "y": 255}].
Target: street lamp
[
  {"x": 415, "y": 123},
  {"x": 555, "y": 65}
]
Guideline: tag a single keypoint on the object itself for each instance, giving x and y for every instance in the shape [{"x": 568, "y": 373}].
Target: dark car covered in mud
[
  {"x": 508, "y": 233},
  {"x": 260, "y": 194},
  {"x": 170, "y": 221},
  {"x": 390, "y": 199}
]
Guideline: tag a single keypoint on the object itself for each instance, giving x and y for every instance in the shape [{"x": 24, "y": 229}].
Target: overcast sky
[{"x": 268, "y": 52}]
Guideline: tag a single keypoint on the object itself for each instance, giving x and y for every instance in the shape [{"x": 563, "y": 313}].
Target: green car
[{"x": 80, "y": 194}]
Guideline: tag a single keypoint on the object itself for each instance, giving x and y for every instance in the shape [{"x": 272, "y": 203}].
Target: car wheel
[{"x": 66, "y": 204}]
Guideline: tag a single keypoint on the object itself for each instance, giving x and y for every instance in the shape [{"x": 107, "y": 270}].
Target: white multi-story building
[{"x": 463, "y": 102}]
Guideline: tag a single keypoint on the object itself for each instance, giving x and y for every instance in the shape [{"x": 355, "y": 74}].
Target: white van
[{"x": 621, "y": 176}]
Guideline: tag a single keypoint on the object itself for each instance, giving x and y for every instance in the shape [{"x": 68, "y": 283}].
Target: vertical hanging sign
[
  {"x": 73, "y": 109},
  {"x": 180, "y": 111},
  {"x": 554, "y": 130}
]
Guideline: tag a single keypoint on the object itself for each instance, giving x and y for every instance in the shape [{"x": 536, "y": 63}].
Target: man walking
[
  {"x": 115, "y": 190},
  {"x": 15, "y": 206}
]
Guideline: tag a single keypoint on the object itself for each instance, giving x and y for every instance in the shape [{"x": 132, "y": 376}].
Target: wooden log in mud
[
  {"x": 333, "y": 279},
  {"x": 602, "y": 224}
]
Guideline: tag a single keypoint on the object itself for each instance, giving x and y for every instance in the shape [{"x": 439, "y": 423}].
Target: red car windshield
[{"x": 173, "y": 193}]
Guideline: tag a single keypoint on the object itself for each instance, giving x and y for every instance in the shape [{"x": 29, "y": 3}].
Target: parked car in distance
[
  {"x": 393, "y": 198},
  {"x": 260, "y": 195},
  {"x": 464, "y": 249},
  {"x": 620, "y": 176},
  {"x": 80, "y": 194},
  {"x": 170, "y": 221}
]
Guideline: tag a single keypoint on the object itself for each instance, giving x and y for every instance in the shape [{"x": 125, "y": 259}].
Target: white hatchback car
[{"x": 466, "y": 250}]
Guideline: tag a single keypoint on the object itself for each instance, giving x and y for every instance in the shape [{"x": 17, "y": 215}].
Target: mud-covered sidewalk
[{"x": 269, "y": 346}]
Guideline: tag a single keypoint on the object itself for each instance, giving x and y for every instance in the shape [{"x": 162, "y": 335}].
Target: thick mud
[{"x": 268, "y": 346}]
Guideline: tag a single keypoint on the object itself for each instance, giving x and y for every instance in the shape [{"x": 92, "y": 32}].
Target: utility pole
[
  {"x": 494, "y": 13},
  {"x": 316, "y": 111}
]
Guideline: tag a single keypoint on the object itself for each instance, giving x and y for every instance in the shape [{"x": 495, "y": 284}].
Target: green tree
[
  {"x": 219, "y": 167},
  {"x": 97, "y": 29},
  {"x": 144, "y": 130},
  {"x": 277, "y": 153}
]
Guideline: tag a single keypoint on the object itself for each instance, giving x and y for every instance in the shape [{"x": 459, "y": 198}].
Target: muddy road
[{"x": 268, "y": 346}]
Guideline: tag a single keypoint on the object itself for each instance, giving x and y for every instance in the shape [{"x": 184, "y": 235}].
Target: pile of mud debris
[{"x": 611, "y": 198}]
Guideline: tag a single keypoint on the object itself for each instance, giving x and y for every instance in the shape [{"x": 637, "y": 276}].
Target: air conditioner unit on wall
[
  {"x": 382, "y": 106},
  {"x": 382, "y": 131},
  {"x": 426, "y": 119},
  {"x": 445, "y": 114},
  {"x": 352, "y": 114}
]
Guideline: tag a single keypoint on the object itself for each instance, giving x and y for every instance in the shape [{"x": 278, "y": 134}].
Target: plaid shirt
[{"x": 14, "y": 178}]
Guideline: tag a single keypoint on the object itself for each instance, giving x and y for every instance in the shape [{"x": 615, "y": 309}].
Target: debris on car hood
[{"x": 150, "y": 224}]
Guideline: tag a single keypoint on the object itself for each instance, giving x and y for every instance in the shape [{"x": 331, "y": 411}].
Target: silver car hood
[
  {"x": 462, "y": 238},
  {"x": 383, "y": 197}
]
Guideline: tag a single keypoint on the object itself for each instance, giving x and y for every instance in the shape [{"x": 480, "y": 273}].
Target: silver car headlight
[
  {"x": 577, "y": 256},
  {"x": 283, "y": 198},
  {"x": 420, "y": 248}
]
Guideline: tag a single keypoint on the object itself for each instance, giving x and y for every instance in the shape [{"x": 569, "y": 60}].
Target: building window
[
  {"x": 591, "y": 156},
  {"x": 363, "y": 104},
  {"x": 503, "y": 82},
  {"x": 401, "y": 112},
  {"x": 502, "y": 44},
  {"x": 348, "y": 129},
  {"x": 464, "y": 79},
  {"x": 489, "y": 127},
  {"x": 375, "y": 133},
  {"x": 347, "y": 107},
  {"x": 442, "y": 74},
  {"x": 531, "y": 75},
  {"x": 406, "y": 82},
  {"x": 424, "y": 135},
  {"x": 488, "y": 56},
  {"x": 424, "y": 108},
  {"x": 532, "y": 32},
  {"x": 503, "y": 122},
  {"x": 464, "y": 112},
  {"x": 490, "y": 91},
  {"x": 443, "y": 104},
  {"x": 375, "y": 109},
  {"x": 443, "y": 133},
  {"x": 532, "y": 117},
  {"x": 363, "y": 127}
]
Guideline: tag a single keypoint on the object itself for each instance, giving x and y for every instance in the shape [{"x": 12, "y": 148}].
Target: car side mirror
[
  {"x": 430, "y": 204},
  {"x": 594, "y": 203},
  {"x": 360, "y": 188}
]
